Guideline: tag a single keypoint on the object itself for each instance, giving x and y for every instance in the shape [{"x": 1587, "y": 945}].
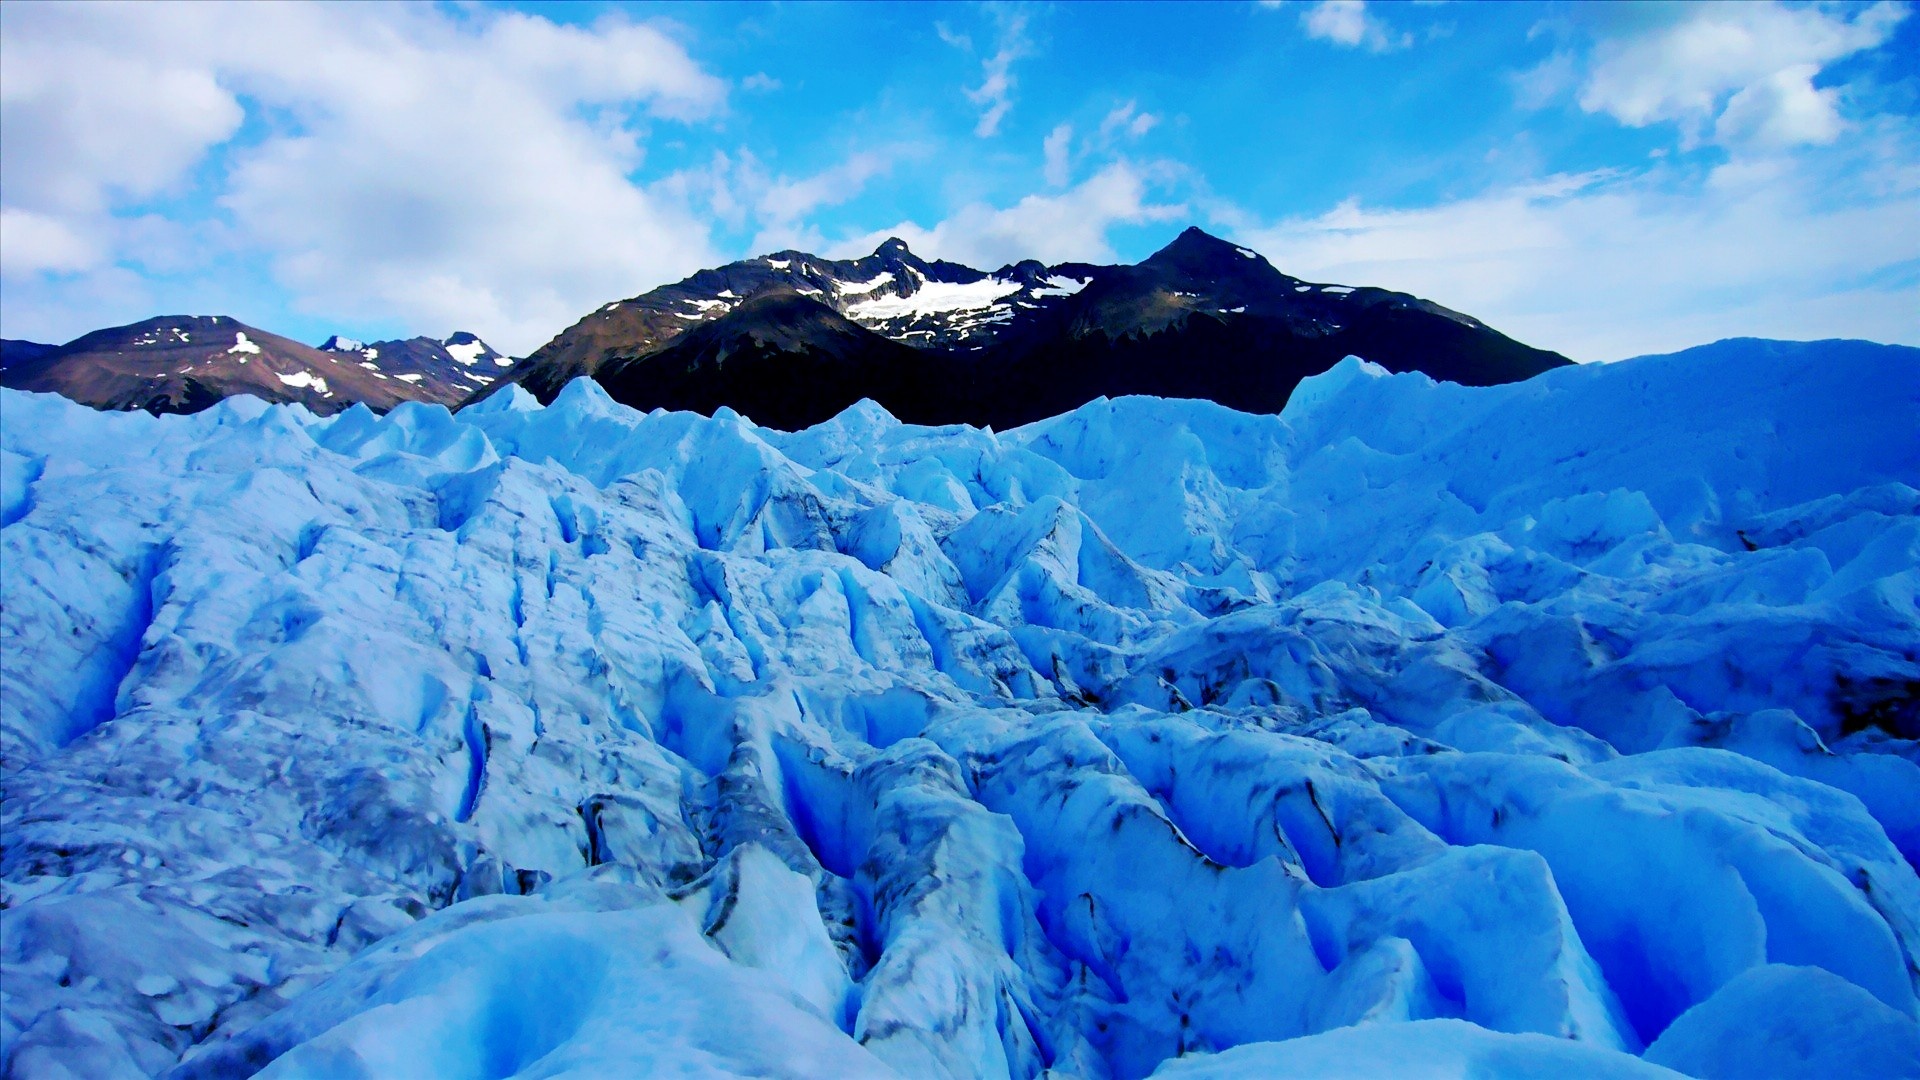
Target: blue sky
[{"x": 1602, "y": 179}]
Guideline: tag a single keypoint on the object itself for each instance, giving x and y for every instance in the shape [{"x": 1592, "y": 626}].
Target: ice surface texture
[{"x": 1564, "y": 727}]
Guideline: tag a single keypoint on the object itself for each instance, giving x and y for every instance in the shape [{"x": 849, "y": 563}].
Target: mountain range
[
  {"x": 186, "y": 363},
  {"x": 792, "y": 339}
]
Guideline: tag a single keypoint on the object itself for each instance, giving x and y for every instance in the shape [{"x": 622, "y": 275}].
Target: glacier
[{"x": 1560, "y": 727}]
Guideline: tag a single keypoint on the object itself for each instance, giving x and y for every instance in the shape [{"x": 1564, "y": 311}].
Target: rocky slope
[
  {"x": 186, "y": 363},
  {"x": 445, "y": 371}
]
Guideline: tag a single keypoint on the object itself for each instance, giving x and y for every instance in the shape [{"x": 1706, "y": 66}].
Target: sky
[{"x": 1605, "y": 180}]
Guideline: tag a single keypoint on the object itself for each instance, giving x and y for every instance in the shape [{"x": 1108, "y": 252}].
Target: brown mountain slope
[{"x": 185, "y": 363}]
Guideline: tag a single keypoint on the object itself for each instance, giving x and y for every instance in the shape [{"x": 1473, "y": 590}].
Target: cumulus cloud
[
  {"x": 88, "y": 116},
  {"x": 1781, "y": 110},
  {"x": 1349, "y": 23},
  {"x": 1743, "y": 72},
  {"x": 416, "y": 164},
  {"x": 1601, "y": 266},
  {"x": 1069, "y": 226}
]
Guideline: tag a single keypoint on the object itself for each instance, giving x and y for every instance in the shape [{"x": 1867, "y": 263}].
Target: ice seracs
[{"x": 1418, "y": 726}]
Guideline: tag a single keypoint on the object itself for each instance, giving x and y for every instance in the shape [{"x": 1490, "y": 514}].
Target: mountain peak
[
  {"x": 1196, "y": 243},
  {"x": 894, "y": 246}
]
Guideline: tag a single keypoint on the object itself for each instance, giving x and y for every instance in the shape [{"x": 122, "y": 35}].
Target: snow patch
[
  {"x": 860, "y": 288},
  {"x": 242, "y": 345},
  {"x": 934, "y": 298},
  {"x": 1061, "y": 286},
  {"x": 300, "y": 380}
]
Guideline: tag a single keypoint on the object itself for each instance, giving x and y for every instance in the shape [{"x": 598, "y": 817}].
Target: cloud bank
[{"x": 442, "y": 170}]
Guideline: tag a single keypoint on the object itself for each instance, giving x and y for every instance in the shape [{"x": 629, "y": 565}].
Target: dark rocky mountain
[
  {"x": 185, "y": 363},
  {"x": 17, "y": 351},
  {"x": 443, "y": 371},
  {"x": 791, "y": 339},
  {"x": 894, "y": 294},
  {"x": 792, "y": 356}
]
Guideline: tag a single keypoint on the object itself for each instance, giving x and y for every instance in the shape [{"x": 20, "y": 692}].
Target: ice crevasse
[{"x": 1559, "y": 728}]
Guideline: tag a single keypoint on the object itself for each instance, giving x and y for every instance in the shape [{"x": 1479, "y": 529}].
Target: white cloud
[
  {"x": 1066, "y": 227},
  {"x": 1603, "y": 266},
  {"x": 419, "y": 165},
  {"x": 1784, "y": 109},
  {"x": 1686, "y": 66},
  {"x": 1124, "y": 119},
  {"x": 1122, "y": 123},
  {"x": 1056, "y": 149},
  {"x": 994, "y": 95},
  {"x": 36, "y": 243},
  {"x": 740, "y": 190},
  {"x": 791, "y": 200},
  {"x": 960, "y": 41},
  {"x": 1539, "y": 85},
  {"x": 90, "y": 116},
  {"x": 1349, "y": 23}
]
